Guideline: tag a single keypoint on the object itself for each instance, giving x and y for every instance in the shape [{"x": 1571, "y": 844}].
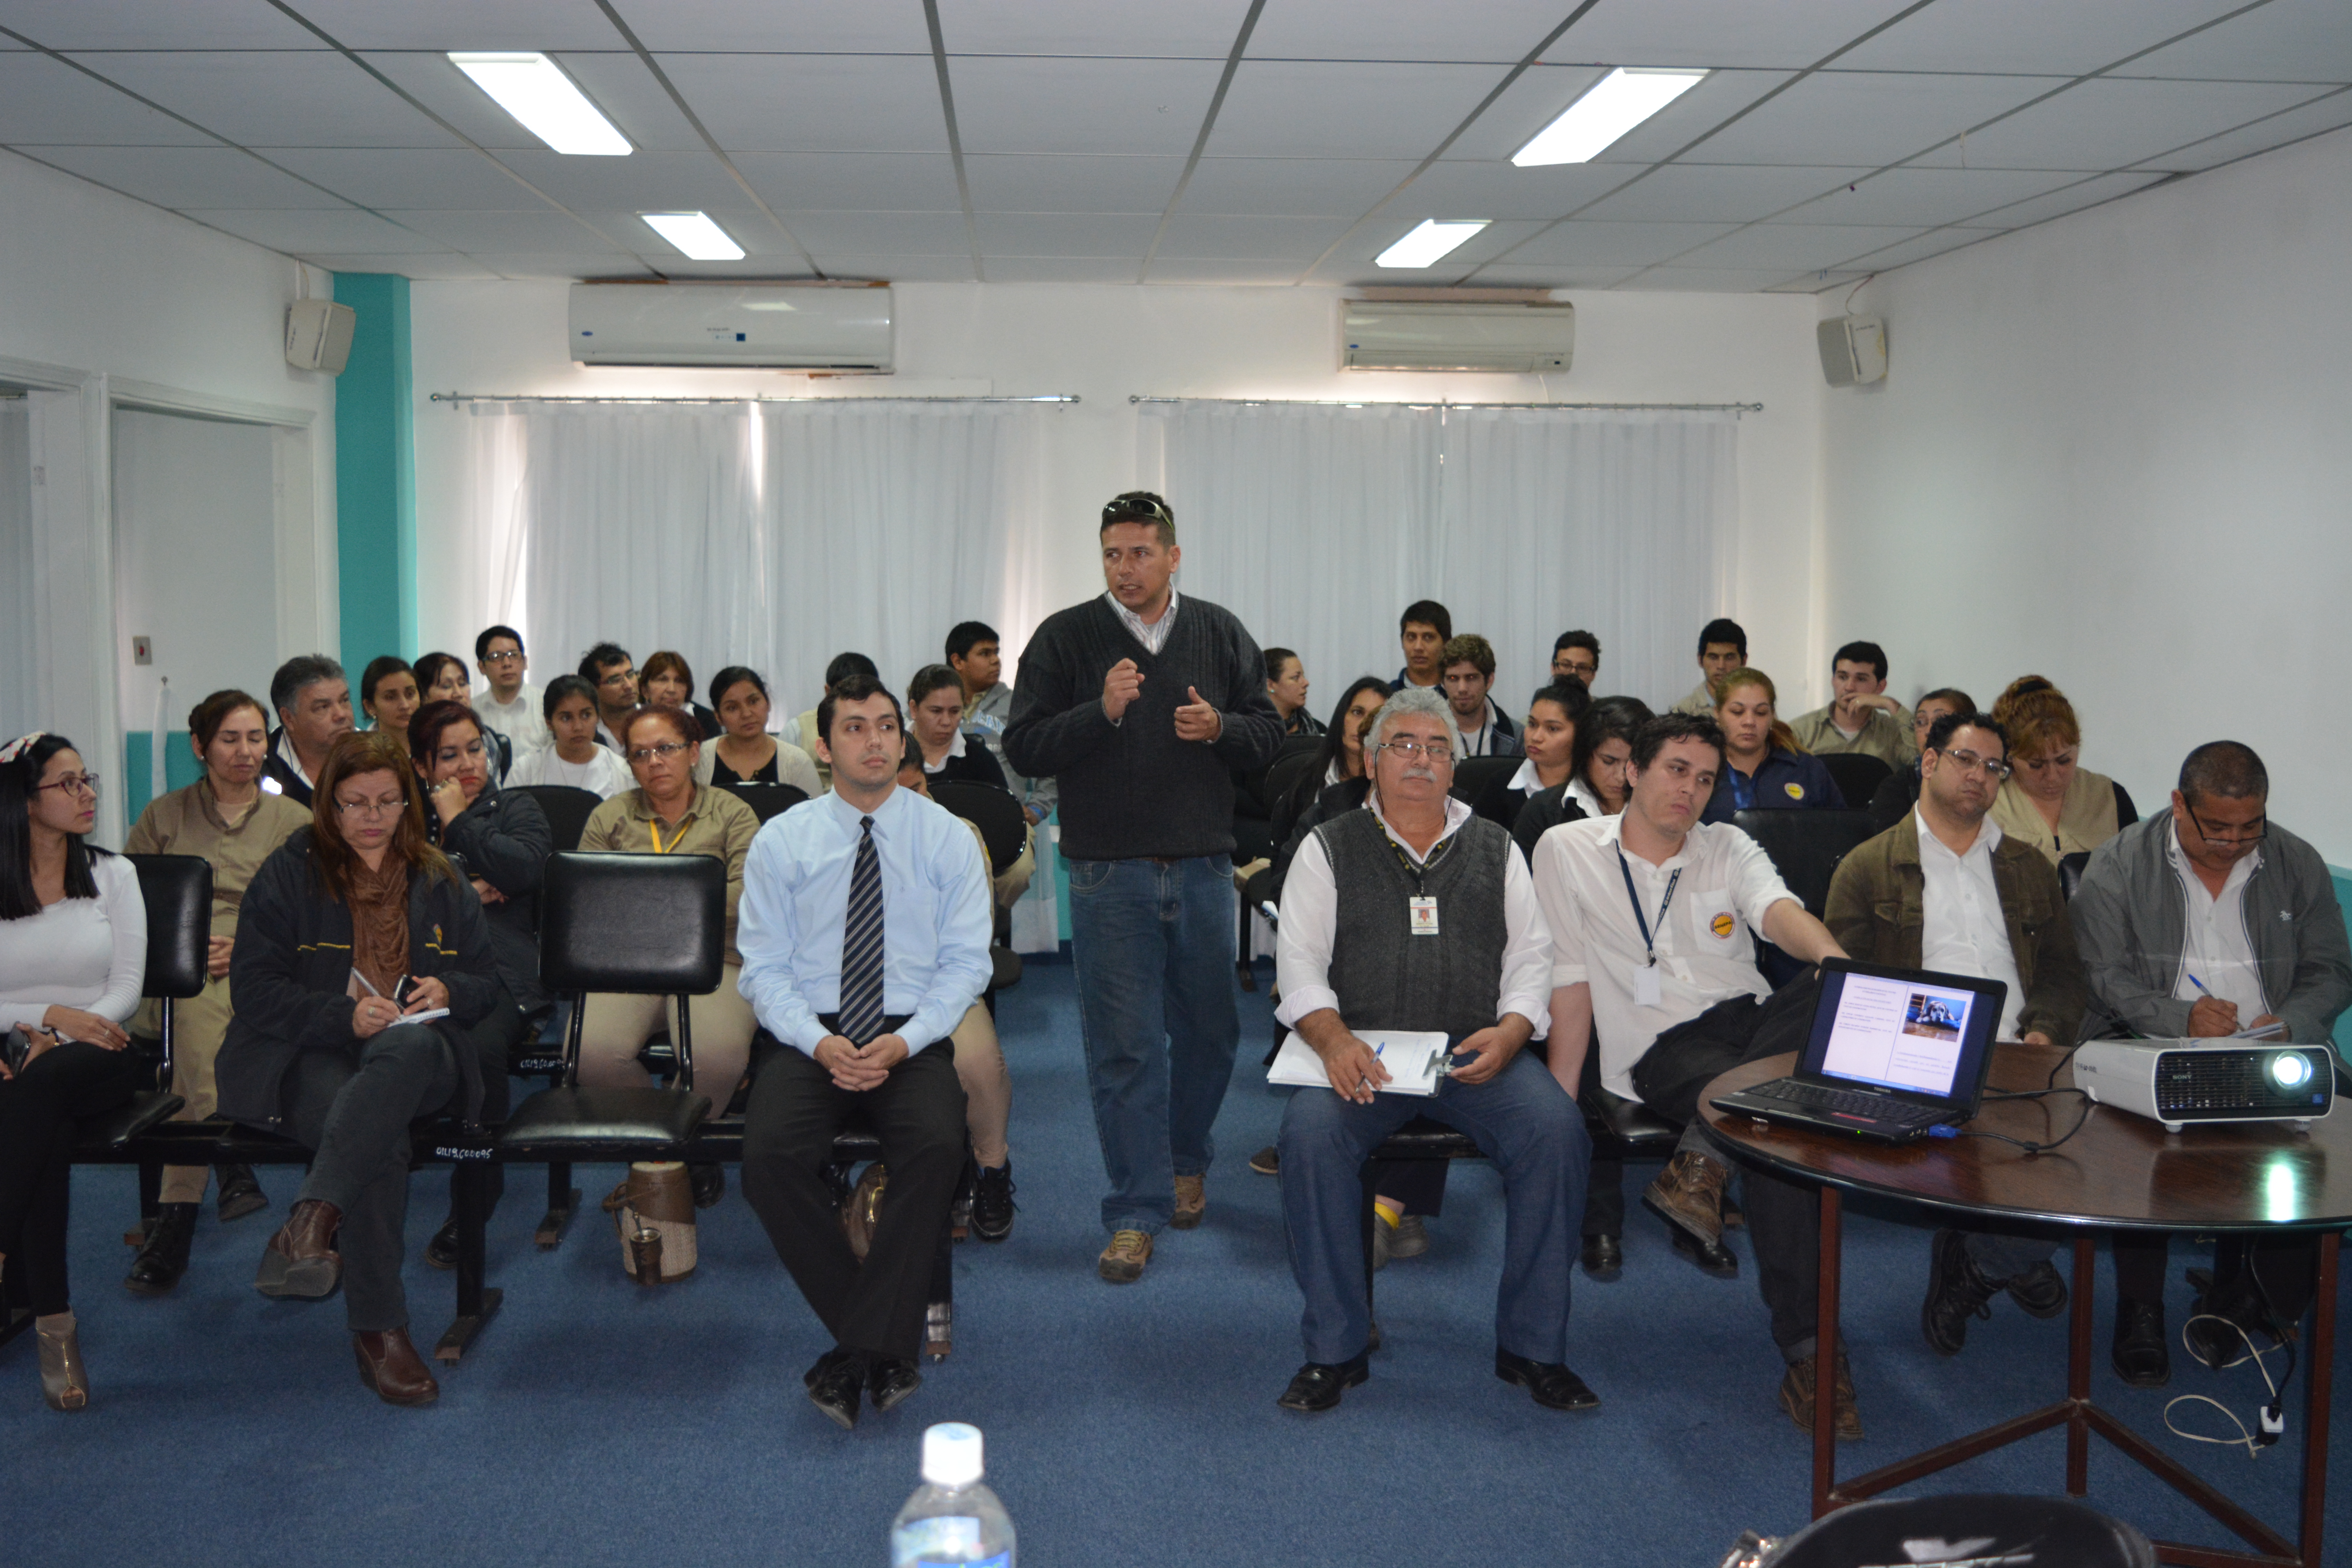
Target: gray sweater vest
[{"x": 1388, "y": 978}]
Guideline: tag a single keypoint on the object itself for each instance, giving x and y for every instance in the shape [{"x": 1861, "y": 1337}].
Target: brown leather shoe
[
  {"x": 390, "y": 1365},
  {"x": 1191, "y": 1202},
  {"x": 300, "y": 1260},
  {"x": 1797, "y": 1396},
  {"x": 1122, "y": 1261},
  {"x": 1689, "y": 1192}
]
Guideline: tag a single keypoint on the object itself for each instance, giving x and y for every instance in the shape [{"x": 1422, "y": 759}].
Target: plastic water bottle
[{"x": 951, "y": 1518}]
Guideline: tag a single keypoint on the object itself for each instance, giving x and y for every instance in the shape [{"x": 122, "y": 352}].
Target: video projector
[{"x": 2180, "y": 1081}]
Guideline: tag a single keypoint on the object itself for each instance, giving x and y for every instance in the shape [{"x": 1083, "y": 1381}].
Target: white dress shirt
[
  {"x": 1310, "y": 913},
  {"x": 1962, "y": 931},
  {"x": 1153, "y": 637},
  {"x": 520, "y": 721},
  {"x": 2214, "y": 946},
  {"x": 1705, "y": 952},
  {"x": 1581, "y": 792},
  {"x": 955, "y": 750},
  {"x": 934, "y": 916}
]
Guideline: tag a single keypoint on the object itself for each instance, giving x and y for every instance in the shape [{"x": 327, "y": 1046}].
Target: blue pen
[{"x": 2197, "y": 982}]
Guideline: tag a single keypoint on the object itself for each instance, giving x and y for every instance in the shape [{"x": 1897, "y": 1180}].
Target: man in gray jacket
[{"x": 2209, "y": 920}]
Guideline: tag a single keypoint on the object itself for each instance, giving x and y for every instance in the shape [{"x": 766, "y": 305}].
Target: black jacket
[
  {"x": 1545, "y": 810},
  {"x": 291, "y": 968},
  {"x": 289, "y": 783},
  {"x": 977, "y": 765},
  {"x": 503, "y": 839}
]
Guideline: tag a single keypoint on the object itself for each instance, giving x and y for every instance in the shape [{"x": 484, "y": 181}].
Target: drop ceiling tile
[
  {"x": 1063, "y": 269},
  {"x": 280, "y": 100},
  {"x": 1718, "y": 193},
  {"x": 1720, "y": 32},
  {"x": 1541, "y": 95},
  {"x": 1230, "y": 272},
  {"x": 2030, "y": 36},
  {"x": 1293, "y": 187},
  {"x": 540, "y": 231},
  {"x": 1498, "y": 191},
  {"x": 852, "y": 182},
  {"x": 1876, "y": 117},
  {"x": 1710, "y": 281},
  {"x": 1066, "y": 235},
  {"x": 2330, "y": 113},
  {"x": 187, "y": 176},
  {"x": 143, "y": 24},
  {"x": 1927, "y": 195},
  {"x": 1028, "y": 105},
  {"x": 407, "y": 178},
  {"x": 1794, "y": 247},
  {"x": 815, "y": 103},
  {"x": 1588, "y": 243},
  {"x": 440, "y": 25},
  {"x": 915, "y": 234},
  {"x": 1022, "y": 182},
  {"x": 436, "y": 267},
  {"x": 561, "y": 264},
  {"x": 1934, "y": 242},
  {"x": 732, "y": 27},
  {"x": 1201, "y": 29},
  {"x": 631, "y": 98},
  {"x": 2067, "y": 198},
  {"x": 46, "y": 101},
  {"x": 1498, "y": 32},
  {"x": 1204, "y": 237},
  {"x": 900, "y": 268},
  {"x": 2107, "y": 124},
  {"x": 1515, "y": 277},
  {"x": 1280, "y": 109},
  {"x": 643, "y": 182},
  {"x": 2287, "y": 40},
  {"x": 319, "y": 233}
]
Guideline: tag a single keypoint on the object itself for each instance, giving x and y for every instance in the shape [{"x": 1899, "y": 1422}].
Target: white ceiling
[{"x": 1182, "y": 142}]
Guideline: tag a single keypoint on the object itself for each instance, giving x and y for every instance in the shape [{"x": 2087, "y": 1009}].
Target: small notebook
[{"x": 1416, "y": 1061}]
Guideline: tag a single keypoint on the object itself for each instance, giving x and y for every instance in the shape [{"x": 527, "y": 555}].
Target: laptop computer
[{"x": 1893, "y": 1053}]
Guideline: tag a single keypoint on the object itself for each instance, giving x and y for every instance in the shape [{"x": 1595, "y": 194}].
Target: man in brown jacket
[{"x": 1943, "y": 890}]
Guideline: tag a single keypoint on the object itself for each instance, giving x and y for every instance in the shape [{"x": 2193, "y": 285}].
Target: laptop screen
[{"x": 1919, "y": 1033}]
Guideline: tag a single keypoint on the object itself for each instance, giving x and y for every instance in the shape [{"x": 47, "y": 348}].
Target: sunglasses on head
[{"x": 1134, "y": 509}]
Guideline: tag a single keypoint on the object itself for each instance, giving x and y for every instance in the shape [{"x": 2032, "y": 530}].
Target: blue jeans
[
  {"x": 1154, "y": 946},
  {"x": 1522, "y": 1120}
]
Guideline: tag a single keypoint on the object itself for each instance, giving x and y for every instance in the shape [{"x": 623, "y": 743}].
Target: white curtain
[
  {"x": 24, "y": 682},
  {"x": 1318, "y": 524}
]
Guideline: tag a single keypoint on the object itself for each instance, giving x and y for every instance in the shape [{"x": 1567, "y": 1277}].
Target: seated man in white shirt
[
  {"x": 864, "y": 931},
  {"x": 1412, "y": 914},
  {"x": 1653, "y": 915},
  {"x": 509, "y": 704}
]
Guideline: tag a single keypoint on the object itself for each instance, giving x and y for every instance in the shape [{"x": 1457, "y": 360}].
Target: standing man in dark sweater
[{"x": 1140, "y": 704}]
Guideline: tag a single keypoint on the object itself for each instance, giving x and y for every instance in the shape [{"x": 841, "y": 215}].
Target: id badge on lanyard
[
  {"x": 1647, "y": 992},
  {"x": 1421, "y": 911}
]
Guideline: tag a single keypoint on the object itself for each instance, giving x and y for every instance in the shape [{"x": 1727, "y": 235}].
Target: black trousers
[
  {"x": 2286, "y": 1266},
  {"x": 40, "y": 1109},
  {"x": 875, "y": 1306},
  {"x": 1604, "y": 1191}
]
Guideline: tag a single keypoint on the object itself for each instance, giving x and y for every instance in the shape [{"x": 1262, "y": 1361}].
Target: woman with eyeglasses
[
  {"x": 670, "y": 813},
  {"x": 389, "y": 696},
  {"x": 444, "y": 678},
  {"x": 73, "y": 957},
  {"x": 1764, "y": 769},
  {"x": 2050, "y": 801},
  {"x": 229, "y": 820},
  {"x": 367, "y": 996}
]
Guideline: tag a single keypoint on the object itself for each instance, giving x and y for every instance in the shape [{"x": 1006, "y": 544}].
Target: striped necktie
[{"x": 861, "y": 944}]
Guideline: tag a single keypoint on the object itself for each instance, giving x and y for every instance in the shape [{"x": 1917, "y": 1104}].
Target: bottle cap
[{"x": 952, "y": 1454}]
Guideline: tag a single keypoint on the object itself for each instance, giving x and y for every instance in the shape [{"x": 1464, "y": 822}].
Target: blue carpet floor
[{"x": 598, "y": 1423}]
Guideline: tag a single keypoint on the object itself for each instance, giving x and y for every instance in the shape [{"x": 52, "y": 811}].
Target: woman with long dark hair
[
  {"x": 747, "y": 753},
  {"x": 389, "y": 696},
  {"x": 73, "y": 958},
  {"x": 362, "y": 972},
  {"x": 444, "y": 678}
]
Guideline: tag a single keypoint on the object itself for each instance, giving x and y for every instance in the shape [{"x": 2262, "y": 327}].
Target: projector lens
[{"x": 2289, "y": 1071}]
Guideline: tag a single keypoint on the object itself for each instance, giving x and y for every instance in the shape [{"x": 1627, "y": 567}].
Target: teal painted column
[{"x": 375, "y": 476}]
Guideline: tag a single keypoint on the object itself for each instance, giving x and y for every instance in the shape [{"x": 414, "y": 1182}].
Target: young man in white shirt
[
  {"x": 1467, "y": 672},
  {"x": 509, "y": 704}
]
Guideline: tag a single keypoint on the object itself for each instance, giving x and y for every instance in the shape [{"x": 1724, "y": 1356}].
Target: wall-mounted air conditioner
[
  {"x": 754, "y": 326},
  {"x": 1525, "y": 337}
]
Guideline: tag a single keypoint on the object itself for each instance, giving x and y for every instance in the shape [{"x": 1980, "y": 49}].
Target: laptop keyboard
[{"x": 1813, "y": 1097}]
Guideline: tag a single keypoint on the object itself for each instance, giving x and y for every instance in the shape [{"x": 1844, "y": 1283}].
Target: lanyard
[
  {"x": 654, "y": 825},
  {"x": 1648, "y": 942},
  {"x": 1429, "y": 863}
]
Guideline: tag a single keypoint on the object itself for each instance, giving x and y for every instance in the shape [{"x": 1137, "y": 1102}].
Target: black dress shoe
[
  {"x": 1318, "y": 1384},
  {"x": 1712, "y": 1257},
  {"x": 441, "y": 1252},
  {"x": 1554, "y": 1387},
  {"x": 240, "y": 1194},
  {"x": 835, "y": 1383},
  {"x": 164, "y": 1256},
  {"x": 1957, "y": 1291},
  {"x": 991, "y": 1203},
  {"x": 2040, "y": 1292},
  {"x": 2227, "y": 1322},
  {"x": 2141, "y": 1357},
  {"x": 709, "y": 1183},
  {"x": 890, "y": 1380},
  {"x": 1604, "y": 1257}
]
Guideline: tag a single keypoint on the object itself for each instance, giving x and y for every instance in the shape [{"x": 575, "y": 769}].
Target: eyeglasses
[
  {"x": 2260, "y": 826},
  {"x": 620, "y": 677},
  {"x": 74, "y": 784},
  {"x": 1412, "y": 750},
  {"x": 491, "y": 659},
  {"x": 648, "y": 753},
  {"x": 371, "y": 808},
  {"x": 1991, "y": 767}
]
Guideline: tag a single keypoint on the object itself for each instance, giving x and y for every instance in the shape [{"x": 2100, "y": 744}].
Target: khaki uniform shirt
[
  {"x": 716, "y": 823},
  {"x": 189, "y": 822},
  {"x": 1886, "y": 735}
]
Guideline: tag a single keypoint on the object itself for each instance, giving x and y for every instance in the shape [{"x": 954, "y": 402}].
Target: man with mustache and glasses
[{"x": 1414, "y": 914}]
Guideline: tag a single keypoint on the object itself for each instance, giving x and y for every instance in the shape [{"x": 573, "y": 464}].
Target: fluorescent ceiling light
[
  {"x": 1612, "y": 106},
  {"x": 534, "y": 91},
  {"x": 695, "y": 235},
  {"x": 1429, "y": 242}
]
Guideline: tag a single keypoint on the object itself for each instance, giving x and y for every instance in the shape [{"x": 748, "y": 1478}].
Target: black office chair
[
  {"x": 2070, "y": 872},
  {"x": 1283, "y": 776},
  {"x": 767, "y": 800},
  {"x": 1004, "y": 828},
  {"x": 1999, "y": 1530},
  {"x": 1473, "y": 776},
  {"x": 568, "y": 810},
  {"x": 640, "y": 925},
  {"x": 1807, "y": 847},
  {"x": 178, "y": 892},
  {"x": 1856, "y": 774}
]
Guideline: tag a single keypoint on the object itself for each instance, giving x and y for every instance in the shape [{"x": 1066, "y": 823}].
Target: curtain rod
[
  {"x": 885, "y": 398},
  {"x": 1432, "y": 403}
]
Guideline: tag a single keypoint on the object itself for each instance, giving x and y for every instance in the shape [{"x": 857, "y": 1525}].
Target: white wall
[
  {"x": 1105, "y": 343},
  {"x": 2114, "y": 450}
]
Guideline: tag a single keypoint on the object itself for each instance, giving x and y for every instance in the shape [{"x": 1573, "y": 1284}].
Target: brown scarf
[{"x": 380, "y": 922}]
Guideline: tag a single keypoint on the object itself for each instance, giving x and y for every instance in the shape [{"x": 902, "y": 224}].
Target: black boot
[
  {"x": 165, "y": 1258},
  {"x": 709, "y": 1183},
  {"x": 240, "y": 1194}
]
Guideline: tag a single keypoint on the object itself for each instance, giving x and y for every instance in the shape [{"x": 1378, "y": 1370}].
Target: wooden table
[{"x": 2121, "y": 1172}]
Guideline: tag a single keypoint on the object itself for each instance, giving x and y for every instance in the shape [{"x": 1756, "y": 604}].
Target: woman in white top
[
  {"x": 73, "y": 955},
  {"x": 572, "y": 756}
]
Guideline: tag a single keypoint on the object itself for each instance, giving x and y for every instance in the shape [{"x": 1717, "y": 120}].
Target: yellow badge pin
[
  {"x": 1720, "y": 925},
  {"x": 1796, "y": 791}
]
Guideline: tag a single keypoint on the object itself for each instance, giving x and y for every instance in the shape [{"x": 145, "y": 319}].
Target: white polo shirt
[
  {"x": 1705, "y": 952},
  {"x": 1962, "y": 931}
]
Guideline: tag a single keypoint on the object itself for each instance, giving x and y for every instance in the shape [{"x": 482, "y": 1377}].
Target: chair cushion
[
  {"x": 1424, "y": 1138},
  {"x": 1007, "y": 965},
  {"x": 1628, "y": 1120},
  {"x": 108, "y": 1133},
  {"x": 585, "y": 1123}
]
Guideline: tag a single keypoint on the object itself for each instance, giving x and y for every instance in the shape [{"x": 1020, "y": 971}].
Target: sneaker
[
  {"x": 1957, "y": 1291},
  {"x": 1267, "y": 1162},
  {"x": 991, "y": 1203},
  {"x": 1191, "y": 1202},
  {"x": 1689, "y": 1193},
  {"x": 1412, "y": 1237},
  {"x": 1122, "y": 1261},
  {"x": 1797, "y": 1396}
]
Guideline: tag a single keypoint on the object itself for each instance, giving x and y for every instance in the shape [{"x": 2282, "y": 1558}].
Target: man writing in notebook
[
  {"x": 1942, "y": 890},
  {"x": 1414, "y": 915}
]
